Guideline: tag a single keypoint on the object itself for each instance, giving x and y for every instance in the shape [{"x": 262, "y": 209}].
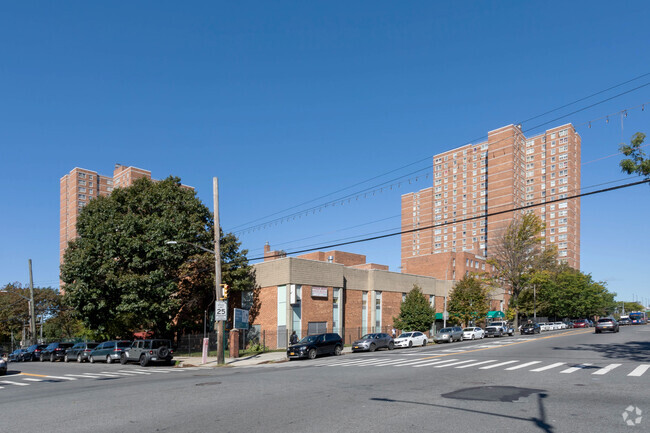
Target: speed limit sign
[{"x": 221, "y": 311}]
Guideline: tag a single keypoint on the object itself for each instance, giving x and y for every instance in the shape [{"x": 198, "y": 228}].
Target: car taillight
[{"x": 151, "y": 352}]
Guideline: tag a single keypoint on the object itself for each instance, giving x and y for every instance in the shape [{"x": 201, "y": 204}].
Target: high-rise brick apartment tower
[
  {"x": 472, "y": 182},
  {"x": 80, "y": 186}
]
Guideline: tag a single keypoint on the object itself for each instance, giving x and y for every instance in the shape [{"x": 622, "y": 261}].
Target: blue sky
[{"x": 289, "y": 102}]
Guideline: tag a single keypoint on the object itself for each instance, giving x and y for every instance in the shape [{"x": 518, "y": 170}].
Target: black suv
[
  {"x": 148, "y": 351},
  {"x": 55, "y": 351},
  {"x": 314, "y": 345},
  {"x": 531, "y": 328},
  {"x": 33, "y": 352}
]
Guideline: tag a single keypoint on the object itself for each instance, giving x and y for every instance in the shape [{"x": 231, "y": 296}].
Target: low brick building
[{"x": 332, "y": 291}]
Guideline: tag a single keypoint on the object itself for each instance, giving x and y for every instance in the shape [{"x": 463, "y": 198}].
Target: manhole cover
[{"x": 493, "y": 393}]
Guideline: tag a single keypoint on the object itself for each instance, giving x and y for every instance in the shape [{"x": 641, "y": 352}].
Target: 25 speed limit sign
[{"x": 221, "y": 311}]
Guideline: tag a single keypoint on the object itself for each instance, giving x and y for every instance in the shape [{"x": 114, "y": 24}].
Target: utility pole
[
  {"x": 32, "y": 315},
  {"x": 217, "y": 269},
  {"x": 535, "y": 303}
]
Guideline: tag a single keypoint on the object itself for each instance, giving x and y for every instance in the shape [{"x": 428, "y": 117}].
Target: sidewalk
[{"x": 262, "y": 358}]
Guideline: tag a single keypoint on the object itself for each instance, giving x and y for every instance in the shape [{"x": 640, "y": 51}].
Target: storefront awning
[
  {"x": 439, "y": 316},
  {"x": 495, "y": 315}
]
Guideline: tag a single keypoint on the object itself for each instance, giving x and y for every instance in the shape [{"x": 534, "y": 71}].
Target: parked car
[
  {"x": 569, "y": 324},
  {"x": 55, "y": 351},
  {"x": 80, "y": 352},
  {"x": 148, "y": 351},
  {"x": 560, "y": 325},
  {"x": 372, "y": 342},
  {"x": 3, "y": 366},
  {"x": 625, "y": 321},
  {"x": 449, "y": 335},
  {"x": 493, "y": 331},
  {"x": 506, "y": 328},
  {"x": 33, "y": 352},
  {"x": 318, "y": 344},
  {"x": 474, "y": 333},
  {"x": 410, "y": 339},
  {"x": 531, "y": 328},
  {"x": 581, "y": 323},
  {"x": 109, "y": 351},
  {"x": 606, "y": 324},
  {"x": 17, "y": 355}
]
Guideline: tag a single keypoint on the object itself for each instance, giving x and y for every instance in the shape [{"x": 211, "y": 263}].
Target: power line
[{"x": 483, "y": 216}]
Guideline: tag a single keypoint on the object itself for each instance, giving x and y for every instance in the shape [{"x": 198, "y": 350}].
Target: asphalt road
[{"x": 561, "y": 381}]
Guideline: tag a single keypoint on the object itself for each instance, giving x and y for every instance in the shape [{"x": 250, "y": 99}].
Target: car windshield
[
  {"x": 443, "y": 330},
  {"x": 406, "y": 335},
  {"x": 468, "y": 330},
  {"x": 123, "y": 344},
  {"x": 309, "y": 339},
  {"x": 369, "y": 336}
]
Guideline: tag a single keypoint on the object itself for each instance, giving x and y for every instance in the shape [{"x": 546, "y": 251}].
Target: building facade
[{"x": 452, "y": 226}]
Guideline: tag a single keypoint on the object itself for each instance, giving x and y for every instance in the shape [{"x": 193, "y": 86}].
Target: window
[{"x": 82, "y": 182}]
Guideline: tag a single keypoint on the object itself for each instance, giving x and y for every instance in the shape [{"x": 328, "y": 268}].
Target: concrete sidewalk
[{"x": 261, "y": 358}]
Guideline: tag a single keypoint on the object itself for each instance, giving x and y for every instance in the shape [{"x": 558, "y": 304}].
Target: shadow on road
[
  {"x": 539, "y": 422},
  {"x": 637, "y": 351}
]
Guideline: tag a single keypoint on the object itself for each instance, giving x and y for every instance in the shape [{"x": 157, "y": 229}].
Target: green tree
[
  {"x": 637, "y": 161},
  {"x": 517, "y": 252},
  {"x": 469, "y": 300},
  {"x": 119, "y": 274},
  {"x": 415, "y": 313},
  {"x": 14, "y": 307}
]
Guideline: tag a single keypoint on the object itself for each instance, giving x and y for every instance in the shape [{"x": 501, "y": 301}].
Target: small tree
[
  {"x": 469, "y": 300},
  {"x": 637, "y": 161},
  {"x": 415, "y": 313}
]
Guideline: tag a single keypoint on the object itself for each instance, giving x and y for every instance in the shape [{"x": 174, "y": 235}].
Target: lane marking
[
  {"x": 9, "y": 382},
  {"x": 439, "y": 361},
  {"x": 477, "y": 363},
  {"x": 32, "y": 374},
  {"x": 639, "y": 370},
  {"x": 60, "y": 377},
  {"x": 454, "y": 363},
  {"x": 33, "y": 379},
  {"x": 487, "y": 367},
  {"x": 576, "y": 368},
  {"x": 118, "y": 374},
  {"x": 412, "y": 363},
  {"x": 607, "y": 369},
  {"x": 548, "y": 367},
  {"x": 133, "y": 371},
  {"x": 517, "y": 367}
]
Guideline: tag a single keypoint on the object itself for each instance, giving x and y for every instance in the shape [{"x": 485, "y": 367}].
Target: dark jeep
[{"x": 148, "y": 351}]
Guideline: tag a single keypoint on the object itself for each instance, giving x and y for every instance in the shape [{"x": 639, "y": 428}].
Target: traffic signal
[{"x": 224, "y": 291}]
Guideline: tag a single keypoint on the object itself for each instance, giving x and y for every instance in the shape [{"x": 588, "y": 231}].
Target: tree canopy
[
  {"x": 415, "y": 313},
  {"x": 14, "y": 307},
  {"x": 636, "y": 161},
  {"x": 120, "y": 275},
  {"x": 469, "y": 300}
]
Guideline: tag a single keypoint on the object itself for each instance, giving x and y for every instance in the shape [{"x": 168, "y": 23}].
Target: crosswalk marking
[
  {"x": 439, "y": 361},
  {"x": 639, "y": 370},
  {"x": 607, "y": 369},
  {"x": 117, "y": 373},
  {"x": 548, "y": 367},
  {"x": 576, "y": 368},
  {"x": 392, "y": 363},
  {"x": 409, "y": 363},
  {"x": 487, "y": 367},
  {"x": 454, "y": 363},
  {"x": 528, "y": 364},
  {"x": 33, "y": 379},
  {"x": 86, "y": 375},
  {"x": 9, "y": 382},
  {"x": 60, "y": 377},
  {"x": 133, "y": 371},
  {"x": 477, "y": 363}
]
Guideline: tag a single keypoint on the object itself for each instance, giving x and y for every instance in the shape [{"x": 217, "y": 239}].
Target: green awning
[
  {"x": 439, "y": 316},
  {"x": 495, "y": 315}
]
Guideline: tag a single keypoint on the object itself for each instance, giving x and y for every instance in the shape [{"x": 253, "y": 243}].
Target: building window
[
  {"x": 364, "y": 313},
  {"x": 377, "y": 311}
]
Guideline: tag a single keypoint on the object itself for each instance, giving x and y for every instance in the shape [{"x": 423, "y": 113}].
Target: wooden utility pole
[
  {"x": 32, "y": 315},
  {"x": 217, "y": 269}
]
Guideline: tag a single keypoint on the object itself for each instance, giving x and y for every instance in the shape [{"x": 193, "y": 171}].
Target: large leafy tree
[
  {"x": 469, "y": 300},
  {"x": 636, "y": 161},
  {"x": 119, "y": 274},
  {"x": 14, "y": 307},
  {"x": 415, "y": 313},
  {"x": 517, "y": 251}
]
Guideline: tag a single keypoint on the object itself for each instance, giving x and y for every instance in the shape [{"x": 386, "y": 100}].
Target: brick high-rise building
[
  {"x": 80, "y": 186},
  {"x": 473, "y": 183}
]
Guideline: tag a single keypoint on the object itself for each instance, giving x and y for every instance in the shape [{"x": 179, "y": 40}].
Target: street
[{"x": 562, "y": 381}]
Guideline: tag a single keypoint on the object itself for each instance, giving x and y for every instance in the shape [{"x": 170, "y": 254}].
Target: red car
[{"x": 581, "y": 323}]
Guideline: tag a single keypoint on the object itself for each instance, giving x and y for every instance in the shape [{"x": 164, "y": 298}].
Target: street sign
[
  {"x": 221, "y": 311},
  {"x": 241, "y": 319},
  {"x": 445, "y": 315}
]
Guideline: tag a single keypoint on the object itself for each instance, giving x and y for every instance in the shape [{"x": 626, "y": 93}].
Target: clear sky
[{"x": 289, "y": 102}]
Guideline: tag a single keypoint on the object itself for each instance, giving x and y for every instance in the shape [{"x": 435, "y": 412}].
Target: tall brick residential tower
[{"x": 473, "y": 182}]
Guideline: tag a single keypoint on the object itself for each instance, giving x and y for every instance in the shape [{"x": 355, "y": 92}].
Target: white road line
[
  {"x": 477, "y": 363},
  {"x": 453, "y": 350},
  {"x": 391, "y": 362},
  {"x": 454, "y": 363},
  {"x": 548, "y": 367},
  {"x": 9, "y": 382},
  {"x": 2, "y": 387},
  {"x": 412, "y": 363},
  {"x": 607, "y": 369},
  {"x": 33, "y": 379},
  {"x": 357, "y": 361},
  {"x": 133, "y": 371},
  {"x": 517, "y": 367},
  {"x": 487, "y": 367},
  {"x": 118, "y": 374},
  {"x": 85, "y": 376},
  {"x": 576, "y": 368},
  {"x": 639, "y": 370},
  {"x": 436, "y": 362},
  {"x": 60, "y": 377}
]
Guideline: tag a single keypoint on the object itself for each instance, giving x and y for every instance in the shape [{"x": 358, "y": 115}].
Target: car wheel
[
  {"x": 597, "y": 331},
  {"x": 109, "y": 359},
  {"x": 338, "y": 350},
  {"x": 92, "y": 359},
  {"x": 79, "y": 360},
  {"x": 41, "y": 358},
  {"x": 143, "y": 361},
  {"x": 372, "y": 347},
  {"x": 123, "y": 358},
  {"x": 391, "y": 346},
  {"x": 312, "y": 354},
  {"x": 65, "y": 359},
  {"x": 410, "y": 344}
]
